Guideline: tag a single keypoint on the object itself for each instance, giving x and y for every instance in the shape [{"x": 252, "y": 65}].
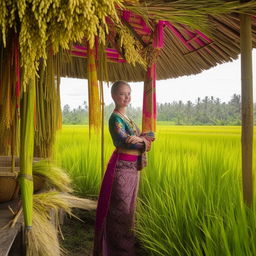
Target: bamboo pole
[
  {"x": 102, "y": 127},
  {"x": 26, "y": 157},
  {"x": 247, "y": 107},
  {"x": 103, "y": 75},
  {"x": 93, "y": 94}
]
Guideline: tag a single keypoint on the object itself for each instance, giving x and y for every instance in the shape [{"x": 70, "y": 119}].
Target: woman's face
[{"x": 122, "y": 97}]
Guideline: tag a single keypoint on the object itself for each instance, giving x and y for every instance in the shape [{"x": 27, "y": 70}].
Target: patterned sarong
[{"x": 114, "y": 235}]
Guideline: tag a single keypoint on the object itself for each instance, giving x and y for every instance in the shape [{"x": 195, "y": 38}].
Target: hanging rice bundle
[
  {"x": 57, "y": 59},
  {"x": 9, "y": 98},
  {"x": 48, "y": 109},
  {"x": 132, "y": 47},
  {"x": 56, "y": 23}
]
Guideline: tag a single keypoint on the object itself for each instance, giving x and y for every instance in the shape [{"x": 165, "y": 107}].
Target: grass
[
  {"x": 190, "y": 200},
  {"x": 80, "y": 158}
]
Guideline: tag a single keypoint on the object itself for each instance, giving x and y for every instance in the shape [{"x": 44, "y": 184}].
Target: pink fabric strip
[
  {"x": 112, "y": 50},
  {"x": 180, "y": 36},
  {"x": 78, "y": 54},
  {"x": 79, "y": 47},
  {"x": 193, "y": 36},
  {"x": 112, "y": 54},
  {"x": 197, "y": 40},
  {"x": 149, "y": 101},
  {"x": 203, "y": 36},
  {"x": 127, "y": 157},
  {"x": 117, "y": 60},
  {"x": 159, "y": 36},
  {"x": 126, "y": 15},
  {"x": 154, "y": 95},
  {"x": 136, "y": 20}
]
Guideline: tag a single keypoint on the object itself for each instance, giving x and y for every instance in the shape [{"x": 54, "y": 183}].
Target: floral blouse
[{"x": 120, "y": 129}]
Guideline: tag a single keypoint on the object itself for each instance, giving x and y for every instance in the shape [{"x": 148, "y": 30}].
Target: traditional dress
[{"x": 114, "y": 235}]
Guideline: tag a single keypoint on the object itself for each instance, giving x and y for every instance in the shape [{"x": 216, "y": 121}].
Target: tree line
[{"x": 204, "y": 111}]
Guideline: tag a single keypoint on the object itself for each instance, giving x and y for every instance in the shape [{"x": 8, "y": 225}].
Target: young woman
[{"x": 114, "y": 235}]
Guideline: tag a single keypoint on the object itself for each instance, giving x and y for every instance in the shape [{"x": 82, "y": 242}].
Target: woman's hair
[{"x": 116, "y": 85}]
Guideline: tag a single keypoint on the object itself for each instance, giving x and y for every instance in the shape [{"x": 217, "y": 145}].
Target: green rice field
[{"x": 190, "y": 200}]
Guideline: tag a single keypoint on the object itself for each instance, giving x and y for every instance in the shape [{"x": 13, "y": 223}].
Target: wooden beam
[{"x": 247, "y": 106}]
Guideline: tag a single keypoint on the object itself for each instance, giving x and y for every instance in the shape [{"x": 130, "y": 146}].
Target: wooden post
[
  {"x": 149, "y": 101},
  {"x": 102, "y": 74},
  {"x": 149, "y": 95},
  {"x": 93, "y": 93},
  {"x": 247, "y": 107}
]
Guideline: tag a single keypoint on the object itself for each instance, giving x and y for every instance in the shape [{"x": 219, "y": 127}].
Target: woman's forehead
[{"x": 124, "y": 88}]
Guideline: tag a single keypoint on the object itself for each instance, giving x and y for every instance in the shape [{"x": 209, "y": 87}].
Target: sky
[{"x": 221, "y": 81}]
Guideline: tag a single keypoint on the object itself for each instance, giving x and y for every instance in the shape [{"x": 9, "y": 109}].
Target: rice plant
[
  {"x": 190, "y": 200},
  {"x": 190, "y": 195},
  {"x": 81, "y": 158}
]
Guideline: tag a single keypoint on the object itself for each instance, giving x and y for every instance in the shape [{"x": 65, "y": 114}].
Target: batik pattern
[{"x": 120, "y": 130}]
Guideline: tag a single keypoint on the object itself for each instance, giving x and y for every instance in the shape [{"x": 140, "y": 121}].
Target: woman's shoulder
[{"x": 114, "y": 117}]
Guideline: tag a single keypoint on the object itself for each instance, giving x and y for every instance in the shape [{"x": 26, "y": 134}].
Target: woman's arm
[
  {"x": 121, "y": 138},
  {"x": 148, "y": 138},
  {"x": 148, "y": 135}
]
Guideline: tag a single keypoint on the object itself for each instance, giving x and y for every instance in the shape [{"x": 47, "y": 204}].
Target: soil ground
[{"x": 78, "y": 235}]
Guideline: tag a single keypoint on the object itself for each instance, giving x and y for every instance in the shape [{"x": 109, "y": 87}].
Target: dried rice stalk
[
  {"x": 81, "y": 203},
  {"x": 54, "y": 176},
  {"x": 43, "y": 237}
]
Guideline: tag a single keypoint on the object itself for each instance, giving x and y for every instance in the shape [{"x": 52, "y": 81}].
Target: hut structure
[{"x": 107, "y": 41}]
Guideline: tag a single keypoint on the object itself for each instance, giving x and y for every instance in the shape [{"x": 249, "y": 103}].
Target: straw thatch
[
  {"x": 193, "y": 13},
  {"x": 175, "y": 60},
  {"x": 218, "y": 20}
]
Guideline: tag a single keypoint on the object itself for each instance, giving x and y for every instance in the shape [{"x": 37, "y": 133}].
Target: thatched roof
[{"x": 186, "y": 50}]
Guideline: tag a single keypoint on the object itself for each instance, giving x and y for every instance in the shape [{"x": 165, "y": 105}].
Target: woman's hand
[{"x": 133, "y": 139}]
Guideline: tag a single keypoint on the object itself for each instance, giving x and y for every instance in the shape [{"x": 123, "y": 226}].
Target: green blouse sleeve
[{"x": 120, "y": 132}]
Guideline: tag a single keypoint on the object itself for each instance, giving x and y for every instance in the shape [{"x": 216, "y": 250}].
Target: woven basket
[{"x": 9, "y": 170}]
